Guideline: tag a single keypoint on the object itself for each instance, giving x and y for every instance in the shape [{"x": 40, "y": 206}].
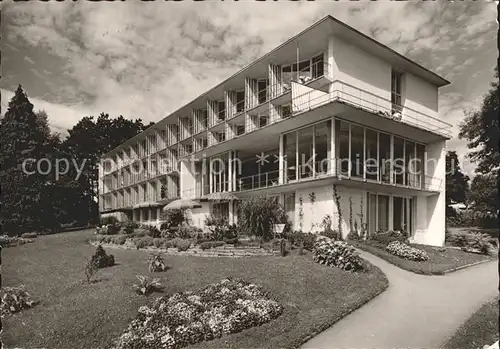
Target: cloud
[{"x": 148, "y": 59}]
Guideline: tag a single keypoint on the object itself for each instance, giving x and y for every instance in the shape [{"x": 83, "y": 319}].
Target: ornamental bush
[
  {"x": 15, "y": 299},
  {"x": 337, "y": 254},
  {"x": 102, "y": 259},
  {"x": 405, "y": 251}
]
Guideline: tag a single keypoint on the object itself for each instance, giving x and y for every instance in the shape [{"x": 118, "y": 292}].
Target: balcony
[{"x": 319, "y": 172}]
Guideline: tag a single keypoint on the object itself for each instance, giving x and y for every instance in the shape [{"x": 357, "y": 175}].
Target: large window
[
  {"x": 290, "y": 150},
  {"x": 322, "y": 145},
  {"x": 290, "y": 207},
  {"x": 240, "y": 101},
  {"x": 371, "y": 154},
  {"x": 398, "y": 160},
  {"x": 342, "y": 131},
  {"x": 420, "y": 169},
  {"x": 410, "y": 163},
  {"x": 384, "y": 157},
  {"x": 220, "y": 210},
  {"x": 396, "y": 90},
  {"x": 383, "y": 212},
  {"x": 221, "y": 114},
  {"x": 357, "y": 150},
  {"x": 318, "y": 66},
  {"x": 262, "y": 90},
  {"x": 305, "y": 148}
]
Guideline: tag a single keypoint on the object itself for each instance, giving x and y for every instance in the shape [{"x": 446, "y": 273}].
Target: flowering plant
[
  {"x": 337, "y": 254},
  {"x": 405, "y": 251},
  {"x": 191, "y": 317},
  {"x": 15, "y": 299}
]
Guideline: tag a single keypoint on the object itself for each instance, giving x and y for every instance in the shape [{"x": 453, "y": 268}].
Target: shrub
[
  {"x": 157, "y": 242},
  {"x": 172, "y": 218},
  {"x": 11, "y": 241},
  {"x": 130, "y": 227},
  {"x": 386, "y": 237},
  {"x": 153, "y": 231},
  {"x": 185, "y": 231},
  {"x": 220, "y": 229},
  {"x": 233, "y": 241},
  {"x": 91, "y": 268},
  {"x": 183, "y": 245},
  {"x": 102, "y": 259},
  {"x": 143, "y": 242},
  {"x": 405, "y": 251},
  {"x": 259, "y": 214},
  {"x": 140, "y": 232},
  {"x": 211, "y": 244},
  {"x": 146, "y": 286},
  {"x": 156, "y": 264},
  {"x": 299, "y": 238},
  {"x": 473, "y": 242},
  {"x": 15, "y": 299},
  {"x": 337, "y": 254},
  {"x": 29, "y": 235},
  {"x": 331, "y": 234},
  {"x": 119, "y": 239}
]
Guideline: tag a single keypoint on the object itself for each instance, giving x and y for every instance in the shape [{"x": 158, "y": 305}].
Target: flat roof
[{"x": 325, "y": 27}]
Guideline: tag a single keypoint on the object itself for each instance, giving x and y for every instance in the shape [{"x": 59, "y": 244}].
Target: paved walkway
[{"x": 416, "y": 311}]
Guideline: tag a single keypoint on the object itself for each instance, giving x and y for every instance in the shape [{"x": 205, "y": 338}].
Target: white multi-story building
[{"x": 329, "y": 108}]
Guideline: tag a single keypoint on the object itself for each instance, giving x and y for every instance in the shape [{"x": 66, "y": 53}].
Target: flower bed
[
  {"x": 188, "y": 318},
  {"x": 402, "y": 250},
  {"x": 337, "y": 254}
]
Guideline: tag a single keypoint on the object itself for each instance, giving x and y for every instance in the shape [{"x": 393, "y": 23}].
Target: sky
[{"x": 147, "y": 59}]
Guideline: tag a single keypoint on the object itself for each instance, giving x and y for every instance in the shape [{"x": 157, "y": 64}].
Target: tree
[
  {"x": 457, "y": 183},
  {"x": 482, "y": 131},
  {"x": 91, "y": 138},
  {"x": 23, "y": 138}
]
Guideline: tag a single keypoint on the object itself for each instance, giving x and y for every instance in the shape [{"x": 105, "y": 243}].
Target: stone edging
[
  {"x": 467, "y": 266},
  {"x": 195, "y": 252}
]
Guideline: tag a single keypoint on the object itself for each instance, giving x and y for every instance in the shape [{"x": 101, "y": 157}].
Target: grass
[
  {"x": 480, "y": 329},
  {"x": 73, "y": 314},
  {"x": 438, "y": 263}
]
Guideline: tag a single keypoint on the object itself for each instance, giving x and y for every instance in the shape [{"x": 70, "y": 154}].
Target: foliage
[
  {"x": 405, "y": 251},
  {"x": 91, "y": 268},
  {"x": 472, "y": 242},
  {"x": 386, "y": 237},
  {"x": 102, "y": 259},
  {"x": 206, "y": 245},
  {"x": 457, "y": 185},
  {"x": 482, "y": 132},
  {"x": 153, "y": 231},
  {"x": 301, "y": 212},
  {"x": 130, "y": 227},
  {"x": 301, "y": 239},
  {"x": 183, "y": 245},
  {"x": 146, "y": 286},
  {"x": 259, "y": 214},
  {"x": 142, "y": 242},
  {"x": 189, "y": 318},
  {"x": 15, "y": 299},
  {"x": 337, "y": 254},
  {"x": 353, "y": 235},
  {"x": 336, "y": 199},
  {"x": 220, "y": 229},
  {"x": 156, "y": 264},
  {"x": 186, "y": 231},
  {"x": 172, "y": 218},
  {"x": 483, "y": 198}
]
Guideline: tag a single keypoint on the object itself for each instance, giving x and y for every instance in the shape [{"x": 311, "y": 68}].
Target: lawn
[
  {"x": 73, "y": 314},
  {"x": 438, "y": 262},
  {"x": 481, "y": 329}
]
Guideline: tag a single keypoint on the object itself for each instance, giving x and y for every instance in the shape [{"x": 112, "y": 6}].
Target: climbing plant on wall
[
  {"x": 336, "y": 199},
  {"x": 301, "y": 212},
  {"x": 312, "y": 198}
]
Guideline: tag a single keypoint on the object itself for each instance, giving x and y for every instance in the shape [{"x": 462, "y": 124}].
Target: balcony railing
[{"x": 320, "y": 170}]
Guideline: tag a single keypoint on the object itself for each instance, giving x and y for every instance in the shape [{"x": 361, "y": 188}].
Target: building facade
[{"x": 331, "y": 122}]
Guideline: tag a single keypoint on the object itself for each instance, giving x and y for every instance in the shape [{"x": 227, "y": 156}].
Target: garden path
[{"x": 416, "y": 311}]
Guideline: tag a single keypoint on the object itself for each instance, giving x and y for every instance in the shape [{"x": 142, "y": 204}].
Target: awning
[
  {"x": 182, "y": 204},
  {"x": 224, "y": 196}
]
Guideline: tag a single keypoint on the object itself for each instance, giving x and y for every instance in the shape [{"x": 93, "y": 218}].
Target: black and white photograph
[{"x": 249, "y": 174}]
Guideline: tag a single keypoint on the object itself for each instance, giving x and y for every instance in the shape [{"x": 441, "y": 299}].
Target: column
[
  {"x": 281, "y": 162},
  {"x": 391, "y": 212},
  {"x": 229, "y": 176},
  {"x": 333, "y": 152}
]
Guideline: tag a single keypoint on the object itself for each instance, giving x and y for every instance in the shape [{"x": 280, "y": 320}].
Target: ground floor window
[
  {"x": 380, "y": 216},
  {"x": 153, "y": 214},
  {"x": 146, "y": 215},
  {"x": 220, "y": 210},
  {"x": 137, "y": 215}
]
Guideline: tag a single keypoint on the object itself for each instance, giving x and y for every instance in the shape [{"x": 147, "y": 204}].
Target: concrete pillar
[{"x": 281, "y": 159}]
